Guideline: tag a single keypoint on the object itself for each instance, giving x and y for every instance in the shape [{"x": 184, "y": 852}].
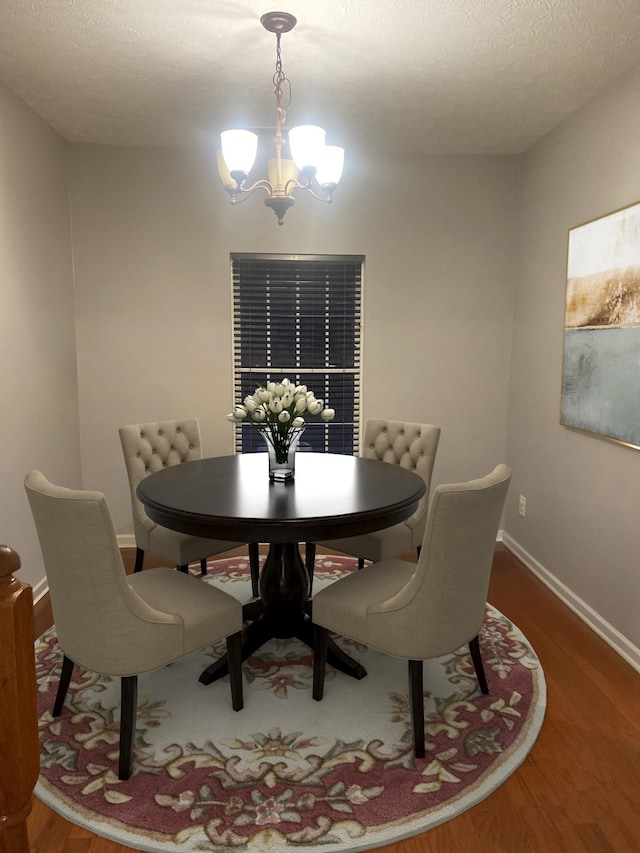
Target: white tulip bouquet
[{"x": 280, "y": 410}]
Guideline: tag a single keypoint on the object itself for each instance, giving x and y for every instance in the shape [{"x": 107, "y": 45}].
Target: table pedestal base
[
  {"x": 280, "y": 613},
  {"x": 258, "y": 633}
]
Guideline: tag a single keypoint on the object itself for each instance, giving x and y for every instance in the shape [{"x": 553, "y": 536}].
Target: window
[{"x": 299, "y": 316}]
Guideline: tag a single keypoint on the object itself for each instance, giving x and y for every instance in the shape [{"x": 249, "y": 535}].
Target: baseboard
[
  {"x": 40, "y": 590},
  {"x": 126, "y": 540},
  {"x": 618, "y": 642}
]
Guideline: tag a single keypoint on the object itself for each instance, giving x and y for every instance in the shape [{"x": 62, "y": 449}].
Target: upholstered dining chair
[
  {"x": 115, "y": 624},
  {"x": 425, "y": 610},
  {"x": 412, "y": 446},
  {"x": 148, "y": 448}
]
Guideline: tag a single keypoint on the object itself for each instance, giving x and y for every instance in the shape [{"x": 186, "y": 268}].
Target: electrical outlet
[{"x": 522, "y": 505}]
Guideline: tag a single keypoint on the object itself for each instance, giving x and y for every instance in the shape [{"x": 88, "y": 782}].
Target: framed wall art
[{"x": 601, "y": 362}]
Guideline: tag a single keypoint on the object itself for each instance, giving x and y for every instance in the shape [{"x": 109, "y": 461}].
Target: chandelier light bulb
[
  {"x": 330, "y": 165},
  {"x": 305, "y": 144},
  {"x": 239, "y": 149}
]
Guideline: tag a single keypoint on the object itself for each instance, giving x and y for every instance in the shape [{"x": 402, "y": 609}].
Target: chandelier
[{"x": 313, "y": 167}]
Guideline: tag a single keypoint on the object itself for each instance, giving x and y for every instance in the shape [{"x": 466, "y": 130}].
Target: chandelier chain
[{"x": 280, "y": 80}]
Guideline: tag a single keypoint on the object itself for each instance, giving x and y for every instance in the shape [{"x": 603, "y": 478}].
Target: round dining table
[{"x": 232, "y": 497}]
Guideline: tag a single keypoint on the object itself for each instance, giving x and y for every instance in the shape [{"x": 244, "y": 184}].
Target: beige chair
[
  {"x": 115, "y": 624},
  {"x": 426, "y": 610},
  {"x": 412, "y": 446},
  {"x": 148, "y": 448}
]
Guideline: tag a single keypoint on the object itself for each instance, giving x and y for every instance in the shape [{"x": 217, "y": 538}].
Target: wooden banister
[{"x": 19, "y": 747}]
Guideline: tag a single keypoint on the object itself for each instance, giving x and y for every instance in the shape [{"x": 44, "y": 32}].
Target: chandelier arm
[
  {"x": 240, "y": 194},
  {"x": 328, "y": 198},
  {"x": 292, "y": 184}
]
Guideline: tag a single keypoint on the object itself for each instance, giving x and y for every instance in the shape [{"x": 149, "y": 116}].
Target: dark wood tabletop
[{"x": 231, "y": 497}]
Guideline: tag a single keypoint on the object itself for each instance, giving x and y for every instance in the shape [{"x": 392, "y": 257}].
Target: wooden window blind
[{"x": 299, "y": 316}]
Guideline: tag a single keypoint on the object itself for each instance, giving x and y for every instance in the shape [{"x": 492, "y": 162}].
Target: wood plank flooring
[{"x": 579, "y": 788}]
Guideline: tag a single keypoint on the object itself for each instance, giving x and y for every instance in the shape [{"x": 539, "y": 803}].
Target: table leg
[
  {"x": 335, "y": 655},
  {"x": 260, "y": 632},
  {"x": 255, "y": 635},
  {"x": 284, "y": 587},
  {"x": 284, "y": 590}
]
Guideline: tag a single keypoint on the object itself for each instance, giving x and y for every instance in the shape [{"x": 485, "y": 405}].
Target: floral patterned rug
[{"x": 287, "y": 772}]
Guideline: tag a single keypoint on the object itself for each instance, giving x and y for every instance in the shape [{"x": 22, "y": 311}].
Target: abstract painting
[{"x": 601, "y": 365}]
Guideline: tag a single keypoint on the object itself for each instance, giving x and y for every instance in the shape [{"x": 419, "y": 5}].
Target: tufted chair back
[
  {"x": 409, "y": 445},
  {"x": 412, "y": 446},
  {"x": 149, "y": 448}
]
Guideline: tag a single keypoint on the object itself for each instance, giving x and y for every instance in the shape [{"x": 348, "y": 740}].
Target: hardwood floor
[{"x": 579, "y": 788}]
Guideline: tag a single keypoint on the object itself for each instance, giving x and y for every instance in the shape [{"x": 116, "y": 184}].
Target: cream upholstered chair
[
  {"x": 426, "y": 610},
  {"x": 115, "y": 624},
  {"x": 412, "y": 446},
  {"x": 148, "y": 448}
]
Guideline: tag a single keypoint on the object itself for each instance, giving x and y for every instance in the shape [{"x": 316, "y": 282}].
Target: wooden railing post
[{"x": 19, "y": 747}]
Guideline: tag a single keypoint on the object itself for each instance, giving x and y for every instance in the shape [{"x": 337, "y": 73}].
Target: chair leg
[
  {"x": 63, "y": 685},
  {"x": 320, "y": 646},
  {"x": 310, "y": 562},
  {"x": 128, "y": 710},
  {"x": 254, "y": 565},
  {"x": 476, "y": 657},
  {"x": 234, "y": 657},
  {"x": 203, "y": 567},
  {"x": 139, "y": 560},
  {"x": 184, "y": 568},
  {"x": 360, "y": 563},
  {"x": 418, "y": 549},
  {"x": 416, "y": 700}
]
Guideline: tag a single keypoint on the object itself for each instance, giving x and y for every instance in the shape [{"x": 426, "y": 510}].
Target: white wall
[
  {"x": 38, "y": 382},
  {"x": 153, "y": 232},
  {"x": 583, "y": 493}
]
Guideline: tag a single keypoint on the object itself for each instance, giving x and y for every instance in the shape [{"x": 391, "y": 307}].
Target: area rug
[{"x": 287, "y": 772}]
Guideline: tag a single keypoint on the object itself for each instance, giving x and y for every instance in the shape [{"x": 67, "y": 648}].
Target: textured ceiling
[{"x": 407, "y": 76}]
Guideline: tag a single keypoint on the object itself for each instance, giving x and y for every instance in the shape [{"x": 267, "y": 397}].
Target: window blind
[{"x": 299, "y": 316}]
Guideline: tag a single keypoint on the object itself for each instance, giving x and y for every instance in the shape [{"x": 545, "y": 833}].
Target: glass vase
[{"x": 281, "y": 451}]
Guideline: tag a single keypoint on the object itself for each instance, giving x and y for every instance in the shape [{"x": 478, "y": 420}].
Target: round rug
[{"x": 287, "y": 772}]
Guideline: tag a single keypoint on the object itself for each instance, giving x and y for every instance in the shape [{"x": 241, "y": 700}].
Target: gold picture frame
[{"x": 601, "y": 356}]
